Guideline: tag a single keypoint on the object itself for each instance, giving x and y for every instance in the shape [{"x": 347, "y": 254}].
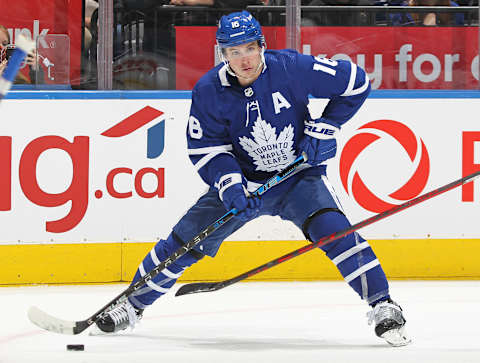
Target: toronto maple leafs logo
[{"x": 269, "y": 152}]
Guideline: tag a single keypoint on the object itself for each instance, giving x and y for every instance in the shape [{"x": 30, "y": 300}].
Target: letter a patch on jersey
[
  {"x": 269, "y": 152},
  {"x": 279, "y": 101}
]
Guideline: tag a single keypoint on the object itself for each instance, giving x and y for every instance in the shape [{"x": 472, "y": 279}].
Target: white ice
[{"x": 294, "y": 322}]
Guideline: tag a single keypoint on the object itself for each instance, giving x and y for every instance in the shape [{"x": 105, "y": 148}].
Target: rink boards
[{"x": 89, "y": 180}]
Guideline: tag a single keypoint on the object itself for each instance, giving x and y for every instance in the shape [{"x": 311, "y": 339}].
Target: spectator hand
[
  {"x": 234, "y": 195},
  {"x": 319, "y": 142},
  {"x": 3, "y": 65},
  {"x": 32, "y": 60}
]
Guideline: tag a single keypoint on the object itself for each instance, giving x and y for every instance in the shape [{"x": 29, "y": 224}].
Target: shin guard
[
  {"x": 161, "y": 283},
  {"x": 352, "y": 255}
]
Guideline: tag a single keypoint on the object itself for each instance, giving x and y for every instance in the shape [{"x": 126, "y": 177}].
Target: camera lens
[{"x": 9, "y": 52}]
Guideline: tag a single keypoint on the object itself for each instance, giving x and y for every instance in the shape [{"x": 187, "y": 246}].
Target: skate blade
[
  {"x": 396, "y": 338},
  {"x": 95, "y": 331}
]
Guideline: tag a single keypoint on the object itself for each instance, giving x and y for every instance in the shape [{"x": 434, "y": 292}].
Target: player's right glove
[
  {"x": 319, "y": 142},
  {"x": 233, "y": 194}
]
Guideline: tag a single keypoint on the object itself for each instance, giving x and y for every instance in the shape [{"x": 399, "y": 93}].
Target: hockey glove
[
  {"x": 319, "y": 142},
  {"x": 233, "y": 194}
]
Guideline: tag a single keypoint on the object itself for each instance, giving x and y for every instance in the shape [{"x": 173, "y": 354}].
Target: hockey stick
[
  {"x": 214, "y": 286},
  {"x": 51, "y": 323},
  {"x": 23, "y": 47}
]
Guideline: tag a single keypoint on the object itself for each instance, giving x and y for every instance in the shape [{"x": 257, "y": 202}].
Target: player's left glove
[
  {"x": 233, "y": 194},
  {"x": 319, "y": 140}
]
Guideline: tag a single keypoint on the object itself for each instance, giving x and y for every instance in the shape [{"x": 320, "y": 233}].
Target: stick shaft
[
  {"x": 279, "y": 177},
  {"x": 334, "y": 236}
]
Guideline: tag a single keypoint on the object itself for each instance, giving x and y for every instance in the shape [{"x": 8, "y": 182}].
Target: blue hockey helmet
[{"x": 238, "y": 28}]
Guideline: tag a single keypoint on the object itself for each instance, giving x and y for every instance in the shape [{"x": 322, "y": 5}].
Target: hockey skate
[
  {"x": 389, "y": 323},
  {"x": 119, "y": 318}
]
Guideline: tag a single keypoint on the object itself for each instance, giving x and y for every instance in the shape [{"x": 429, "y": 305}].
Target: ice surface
[{"x": 294, "y": 322}]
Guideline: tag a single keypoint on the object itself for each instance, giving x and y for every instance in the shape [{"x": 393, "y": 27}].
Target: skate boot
[
  {"x": 389, "y": 322},
  {"x": 119, "y": 318}
]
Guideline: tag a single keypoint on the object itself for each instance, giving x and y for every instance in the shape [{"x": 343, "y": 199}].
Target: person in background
[
  {"x": 220, "y": 7},
  {"x": 415, "y": 18},
  {"x": 90, "y": 7},
  {"x": 35, "y": 70},
  {"x": 223, "y": 6},
  {"x": 434, "y": 19},
  {"x": 340, "y": 18},
  {"x": 4, "y": 42},
  {"x": 393, "y": 19}
]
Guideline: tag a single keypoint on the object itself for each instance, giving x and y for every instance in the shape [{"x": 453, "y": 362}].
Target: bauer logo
[
  {"x": 72, "y": 173},
  {"x": 389, "y": 151}
]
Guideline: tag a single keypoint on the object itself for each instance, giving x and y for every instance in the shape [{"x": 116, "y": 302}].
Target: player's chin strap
[{"x": 230, "y": 70}]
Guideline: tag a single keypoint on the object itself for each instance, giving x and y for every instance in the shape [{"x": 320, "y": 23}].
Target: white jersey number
[
  {"x": 322, "y": 65},
  {"x": 194, "y": 128}
]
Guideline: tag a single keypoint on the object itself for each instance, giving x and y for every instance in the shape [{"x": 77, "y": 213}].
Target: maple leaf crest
[{"x": 268, "y": 152}]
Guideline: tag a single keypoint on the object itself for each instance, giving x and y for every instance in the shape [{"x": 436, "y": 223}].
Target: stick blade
[
  {"x": 51, "y": 323},
  {"x": 197, "y": 287}
]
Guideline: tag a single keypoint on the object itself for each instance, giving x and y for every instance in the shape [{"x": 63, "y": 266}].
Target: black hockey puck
[{"x": 75, "y": 347}]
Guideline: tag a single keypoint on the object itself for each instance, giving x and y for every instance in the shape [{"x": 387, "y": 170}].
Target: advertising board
[
  {"x": 394, "y": 57},
  {"x": 117, "y": 170}
]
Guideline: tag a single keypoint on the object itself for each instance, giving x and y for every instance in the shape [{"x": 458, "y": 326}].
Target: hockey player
[{"x": 248, "y": 120}]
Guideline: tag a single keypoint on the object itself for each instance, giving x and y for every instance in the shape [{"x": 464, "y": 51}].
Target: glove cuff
[{"x": 226, "y": 181}]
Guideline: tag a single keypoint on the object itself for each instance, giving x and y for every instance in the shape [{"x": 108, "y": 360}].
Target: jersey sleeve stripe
[
  {"x": 210, "y": 149},
  {"x": 361, "y": 89},
  {"x": 353, "y": 76},
  {"x": 351, "y": 82},
  {"x": 203, "y": 161}
]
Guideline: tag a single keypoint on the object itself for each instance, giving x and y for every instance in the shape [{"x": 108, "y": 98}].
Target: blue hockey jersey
[{"x": 255, "y": 130}]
